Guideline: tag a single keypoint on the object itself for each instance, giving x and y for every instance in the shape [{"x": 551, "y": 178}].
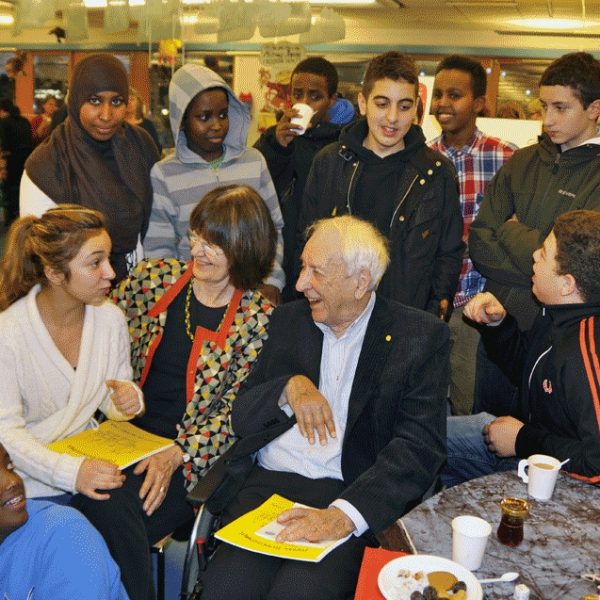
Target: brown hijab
[{"x": 113, "y": 176}]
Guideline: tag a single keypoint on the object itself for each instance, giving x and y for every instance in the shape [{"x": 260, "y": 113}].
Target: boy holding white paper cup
[
  {"x": 289, "y": 147},
  {"x": 555, "y": 364}
]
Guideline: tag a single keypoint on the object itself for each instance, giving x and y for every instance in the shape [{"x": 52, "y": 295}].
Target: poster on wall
[
  {"x": 425, "y": 91},
  {"x": 277, "y": 61}
]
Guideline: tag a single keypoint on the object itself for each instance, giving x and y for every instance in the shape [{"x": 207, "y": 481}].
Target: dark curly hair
[
  {"x": 577, "y": 235},
  {"x": 390, "y": 65},
  {"x": 317, "y": 65},
  {"x": 577, "y": 70},
  {"x": 467, "y": 65}
]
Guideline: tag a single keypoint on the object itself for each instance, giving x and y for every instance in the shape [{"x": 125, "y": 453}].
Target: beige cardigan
[{"x": 43, "y": 399}]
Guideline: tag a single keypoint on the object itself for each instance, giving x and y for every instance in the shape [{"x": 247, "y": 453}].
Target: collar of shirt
[
  {"x": 469, "y": 148},
  {"x": 358, "y": 323},
  {"x": 594, "y": 140}
]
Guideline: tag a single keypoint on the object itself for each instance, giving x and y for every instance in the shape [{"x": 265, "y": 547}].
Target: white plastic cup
[
  {"x": 469, "y": 539},
  {"x": 301, "y": 120},
  {"x": 539, "y": 472}
]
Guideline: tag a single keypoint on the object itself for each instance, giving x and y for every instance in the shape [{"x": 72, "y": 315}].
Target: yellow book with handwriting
[
  {"x": 118, "y": 442},
  {"x": 256, "y": 531}
]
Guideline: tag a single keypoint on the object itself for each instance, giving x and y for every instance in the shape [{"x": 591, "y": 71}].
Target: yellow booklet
[
  {"x": 256, "y": 531},
  {"x": 118, "y": 442}
]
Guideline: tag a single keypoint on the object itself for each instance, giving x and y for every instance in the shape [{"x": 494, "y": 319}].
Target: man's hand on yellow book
[
  {"x": 159, "y": 470},
  {"x": 314, "y": 525},
  {"x": 96, "y": 474}
]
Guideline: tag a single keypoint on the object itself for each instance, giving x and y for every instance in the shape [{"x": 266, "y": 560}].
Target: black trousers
[
  {"x": 237, "y": 574},
  {"x": 129, "y": 532}
]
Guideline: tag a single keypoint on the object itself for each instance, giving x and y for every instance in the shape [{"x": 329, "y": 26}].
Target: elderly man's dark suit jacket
[{"x": 395, "y": 439}]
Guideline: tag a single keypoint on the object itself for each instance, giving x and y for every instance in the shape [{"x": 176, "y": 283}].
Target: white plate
[{"x": 427, "y": 564}]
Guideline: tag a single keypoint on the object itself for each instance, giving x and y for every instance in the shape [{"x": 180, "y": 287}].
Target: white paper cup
[
  {"x": 539, "y": 472},
  {"x": 302, "y": 120},
  {"x": 469, "y": 539}
]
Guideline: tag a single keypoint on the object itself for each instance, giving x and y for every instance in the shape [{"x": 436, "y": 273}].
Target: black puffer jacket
[{"x": 425, "y": 230}]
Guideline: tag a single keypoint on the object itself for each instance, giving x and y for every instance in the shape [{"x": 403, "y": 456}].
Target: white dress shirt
[{"x": 291, "y": 452}]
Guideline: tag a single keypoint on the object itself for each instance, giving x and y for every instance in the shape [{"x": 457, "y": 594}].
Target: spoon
[
  {"x": 564, "y": 462},
  {"x": 511, "y": 576}
]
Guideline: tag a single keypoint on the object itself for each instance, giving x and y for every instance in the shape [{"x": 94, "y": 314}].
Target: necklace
[{"x": 186, "y": 310}]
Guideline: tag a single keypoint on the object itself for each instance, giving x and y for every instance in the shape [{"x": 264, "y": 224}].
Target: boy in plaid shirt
[{"x": 458, "y": 98}]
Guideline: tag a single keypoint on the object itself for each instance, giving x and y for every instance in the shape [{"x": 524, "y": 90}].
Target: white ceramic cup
[
  {"x": 539, "y": 472},
  {"x": 469, "y": 539},
  {"x": 302, "y": 120}
]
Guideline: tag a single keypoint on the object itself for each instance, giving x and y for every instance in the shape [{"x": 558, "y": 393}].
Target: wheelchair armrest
[
  {"x": 227, "y": 474},
  {"x": 221, "y": 483},
  {"x": 208, "y": 485}
]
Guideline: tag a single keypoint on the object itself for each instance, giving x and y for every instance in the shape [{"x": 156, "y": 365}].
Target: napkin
[{"x": 374, "y": 559}]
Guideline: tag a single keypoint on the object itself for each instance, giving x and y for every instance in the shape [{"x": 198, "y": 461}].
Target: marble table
[{"x": 562, "y": 535}]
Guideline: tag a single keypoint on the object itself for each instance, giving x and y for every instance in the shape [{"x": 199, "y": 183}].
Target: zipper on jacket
[
  {"x": 532, "y": 371},
  {"x": 355, "y": 169},
  {"x": 553, "y": 171},
  {"x": 410, "y": 187}
]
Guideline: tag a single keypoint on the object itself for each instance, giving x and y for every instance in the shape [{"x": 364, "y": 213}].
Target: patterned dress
[{"x": 219, "y": 362}]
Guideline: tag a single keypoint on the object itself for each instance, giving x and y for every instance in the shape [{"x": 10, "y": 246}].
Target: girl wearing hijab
[{"x": 96, "y": 159}]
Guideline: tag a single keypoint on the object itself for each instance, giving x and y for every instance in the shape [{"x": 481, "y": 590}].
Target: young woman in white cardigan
[{"x": 64, "y": 350}]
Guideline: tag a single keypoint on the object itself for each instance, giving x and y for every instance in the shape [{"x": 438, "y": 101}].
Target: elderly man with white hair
[{"x": 347, "y": 402}]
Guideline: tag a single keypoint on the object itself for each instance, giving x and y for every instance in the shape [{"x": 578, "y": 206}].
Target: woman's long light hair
[{"x": 34, "y": 243}]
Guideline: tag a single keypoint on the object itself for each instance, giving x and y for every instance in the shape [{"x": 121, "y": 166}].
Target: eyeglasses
[{"x": 207, "y": 247}]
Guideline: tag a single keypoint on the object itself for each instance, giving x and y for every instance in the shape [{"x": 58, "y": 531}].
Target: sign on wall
[{"x": 277, "y": 61}]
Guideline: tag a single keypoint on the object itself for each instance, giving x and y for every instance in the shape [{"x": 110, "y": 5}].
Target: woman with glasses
[{"x": 196, "y": 329}]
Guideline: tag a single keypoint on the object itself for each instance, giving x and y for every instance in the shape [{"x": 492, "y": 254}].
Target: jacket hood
[
  {"x": 354, "y": 134},
  {"x": 189, "y": 81}
]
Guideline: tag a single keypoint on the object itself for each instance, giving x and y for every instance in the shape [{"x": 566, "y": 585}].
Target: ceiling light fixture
[
  {"x": 6, "y": 20},
  {"x": 562, "y": 34},
  {"x": 482, "y": 3},
  {"x": 346, "y": 2},
  {"x": 313, "y": 2},
  {"x": 189, "y": 19},
  {"x": 550, "y": 23}
]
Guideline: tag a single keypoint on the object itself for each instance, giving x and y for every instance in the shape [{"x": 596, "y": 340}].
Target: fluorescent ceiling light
[
  {"x": 483, "y": 3},
  {"x": 346, "y": 2},
  {"x": 550, "y": 23},
  {"x": 94, "y": 3},
  {"x": 6, "y": 20},
  {"x": 318, "y": 2},
  {"x": 189, "y": 19}
]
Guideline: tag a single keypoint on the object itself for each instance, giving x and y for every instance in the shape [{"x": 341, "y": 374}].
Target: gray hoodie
[{"x": 181, "y": 179}]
